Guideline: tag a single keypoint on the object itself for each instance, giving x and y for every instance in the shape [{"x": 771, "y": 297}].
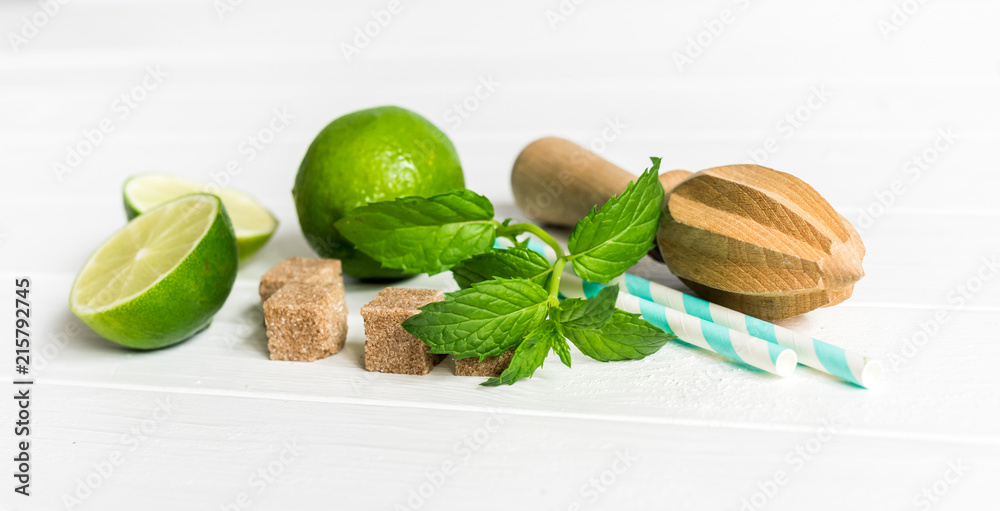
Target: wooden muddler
[
  {"x": 557, "y": 182},
  {"x": 747, "y": 237}
]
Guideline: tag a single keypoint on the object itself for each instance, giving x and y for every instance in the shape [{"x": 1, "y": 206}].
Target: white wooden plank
[
  {"x": 841, "y": 38},
  {"x": 370, "y": 457},
  {"x": 852, "y": 171},
  {"x": 221, "y": 95},
  {"x": 937, "y": 386}
]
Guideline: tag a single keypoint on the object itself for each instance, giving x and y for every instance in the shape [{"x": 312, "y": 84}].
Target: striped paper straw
[
  {"x": 738, "y": 346},
  {"x": 819, "y": 355},
  {"x": 826, "y": 357}
]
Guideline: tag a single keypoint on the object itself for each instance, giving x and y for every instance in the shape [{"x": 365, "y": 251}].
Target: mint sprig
[
  {"x": 588, "y": 314},
  {"x": 612, "y": 239},
  {"x": 514, "y": 262},
  {"x": 422, "y": 235},
  {"x": 510, "y": 297},
  {"x": 529, "y": 355},
  {"x": 482, "y": 321},
  {"x": 561, "y": 347},
  {"x": 625, "y": 336}
]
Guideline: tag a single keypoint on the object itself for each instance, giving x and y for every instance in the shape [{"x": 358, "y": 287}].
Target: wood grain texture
[
  {"x": 557, "y": 182},
  {"x": 759, "y": 241},
  {"x": 747, "y": 237},
  {"x": 368, "y": 456}
]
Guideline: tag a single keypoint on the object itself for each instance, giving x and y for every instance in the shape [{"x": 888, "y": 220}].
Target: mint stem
[
  {"x": 515, "y": 229},
  {"x": 512, "y": 230},
  {"x": 555, "y": 278}
]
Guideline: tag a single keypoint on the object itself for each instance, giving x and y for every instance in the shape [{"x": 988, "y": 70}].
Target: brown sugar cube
[
  {"x": 389, "y": 348},
  {"x": 490, "y": 366},
  {"x": 306, "y": 321},
  {"x": 299, "y": 269}
]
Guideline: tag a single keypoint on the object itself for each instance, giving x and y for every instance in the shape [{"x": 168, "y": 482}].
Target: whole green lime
[{"x": 370, "y": 155}]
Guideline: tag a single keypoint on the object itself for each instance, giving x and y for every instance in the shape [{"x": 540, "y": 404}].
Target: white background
[{"x": 192, "y": 426}]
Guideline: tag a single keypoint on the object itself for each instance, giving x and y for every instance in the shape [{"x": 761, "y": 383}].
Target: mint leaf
[
  {"x": 482, "y": 321},
  {"x": 514, "y": 262},
  {"x": 561, "y": 347},
  {"x": 610, "y": 240},
  {"x": 418, "y": 235},
  {"x": 529, "y": 355},
  {"x": 586, "y": 313},
  {"x": 626, "y": 336}
]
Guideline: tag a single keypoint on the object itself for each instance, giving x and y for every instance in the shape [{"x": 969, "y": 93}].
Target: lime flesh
[
  {"x": 254, "y": 225},
  {"x": 161, "y": 278}
]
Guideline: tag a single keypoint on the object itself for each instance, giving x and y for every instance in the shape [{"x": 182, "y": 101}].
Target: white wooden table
[{"x": 843, "y": 94}]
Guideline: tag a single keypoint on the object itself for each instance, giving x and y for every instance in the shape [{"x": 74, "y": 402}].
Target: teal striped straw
[
  {"x": 826, "y": 357},
  {"x": 737, "y": 346},
  {"x": 823, "y": 356}
]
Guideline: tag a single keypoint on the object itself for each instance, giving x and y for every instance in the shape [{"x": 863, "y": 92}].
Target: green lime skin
[
  {"x": 130, "y": 211},
  {"x": 248, "y": 246},
  {"x": 370, "y": 155},
  {"x": 181, "y": 304}
]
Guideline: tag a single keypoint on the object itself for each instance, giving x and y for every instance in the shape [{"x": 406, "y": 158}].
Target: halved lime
[
  {"x": 161, "y": 278},
  {"x": 253, "y": 223}
]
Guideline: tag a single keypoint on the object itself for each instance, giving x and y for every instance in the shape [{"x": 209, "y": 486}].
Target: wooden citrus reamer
[{"x": 744, "y": 236}]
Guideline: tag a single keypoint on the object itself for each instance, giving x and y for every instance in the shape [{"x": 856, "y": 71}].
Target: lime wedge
[
  {"x": 161, "y": 278},
  {"x": 254, "y": 225}
]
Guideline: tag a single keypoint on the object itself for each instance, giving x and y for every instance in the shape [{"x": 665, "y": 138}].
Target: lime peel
[
  {"x": 162, "y": 277},
  {"x": 253, "y": 223}
]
